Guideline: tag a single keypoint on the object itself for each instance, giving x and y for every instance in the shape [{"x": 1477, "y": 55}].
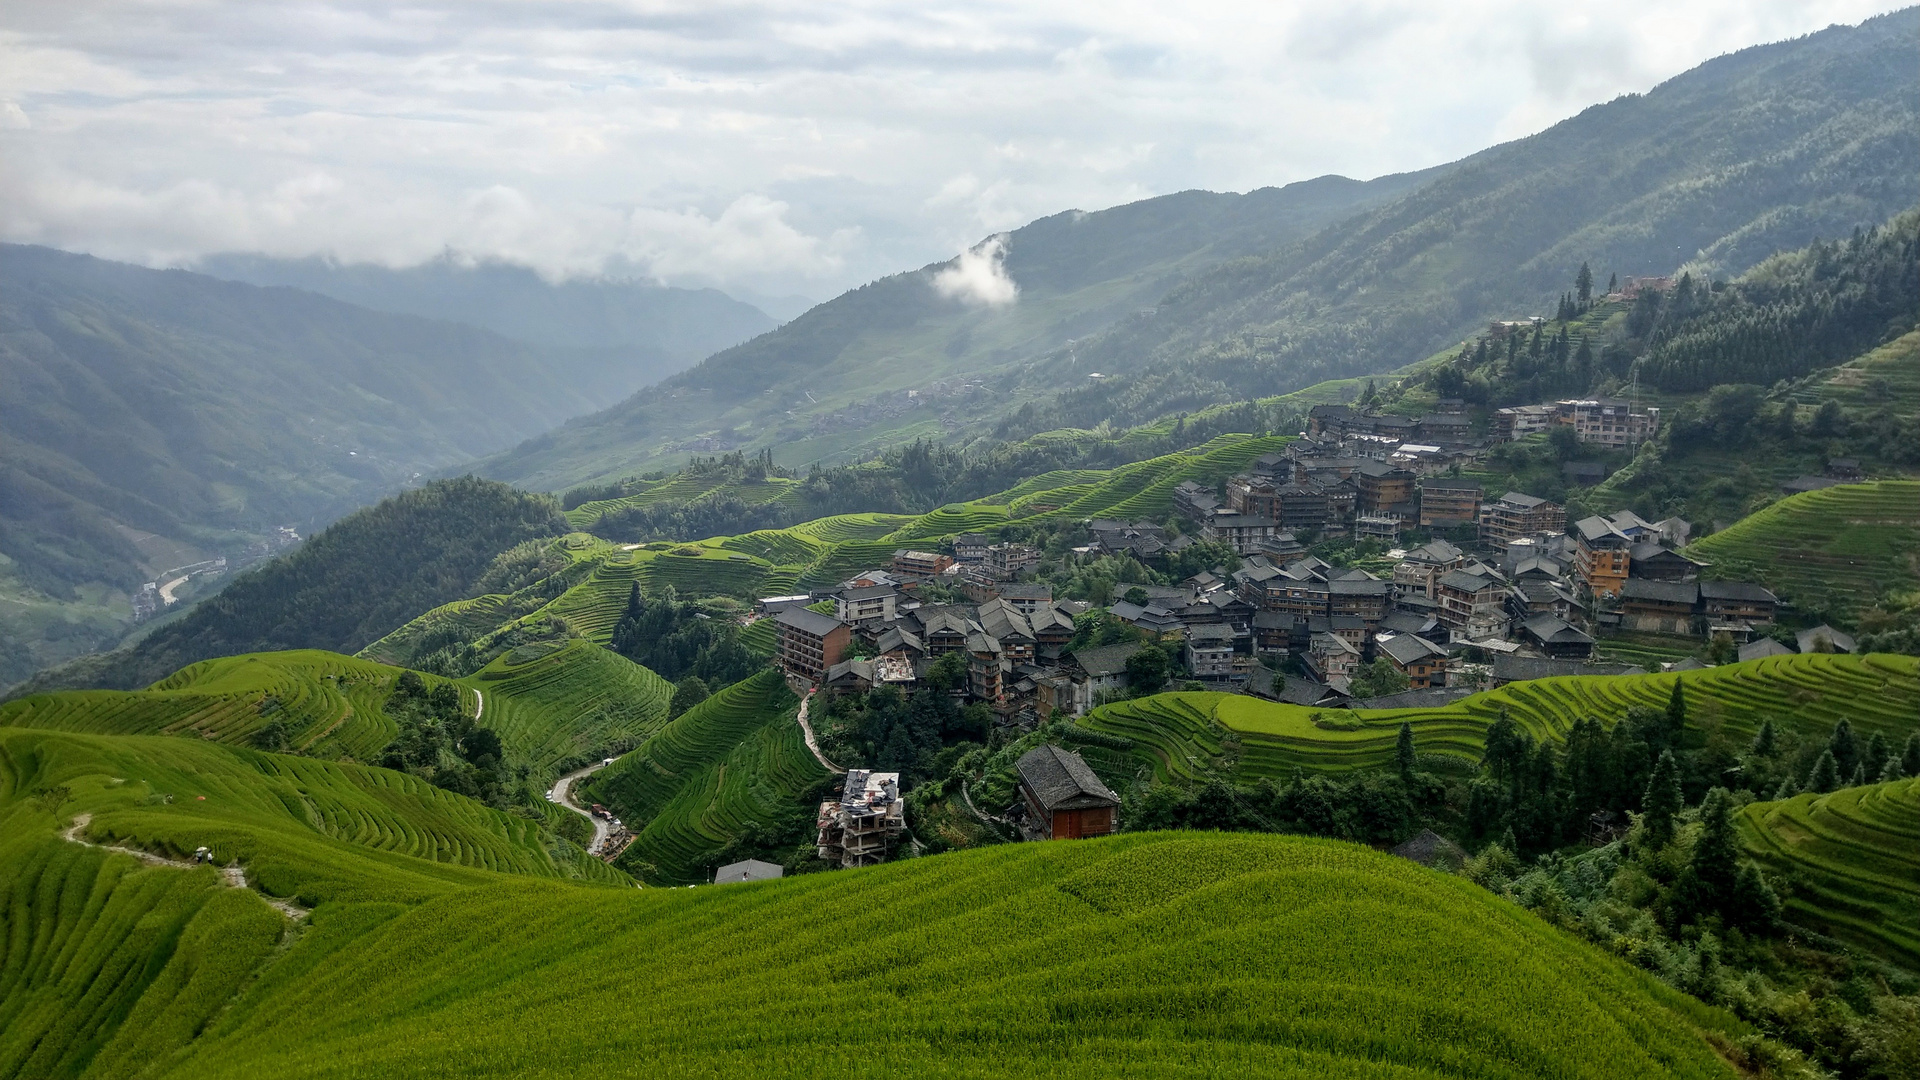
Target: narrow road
[
  {"x": 563, "y": 794},
  {"x": 967, "y": 797},
  {"x": 235, "y": 875},
  {"x": 479, "y": 706},
  {"x": 806, "y": 732}
]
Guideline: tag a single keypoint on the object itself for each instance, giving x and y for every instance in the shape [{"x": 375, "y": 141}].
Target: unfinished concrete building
[{"x": 869, "y": 815}]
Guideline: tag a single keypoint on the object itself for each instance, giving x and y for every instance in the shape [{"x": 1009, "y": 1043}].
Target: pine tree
[
  {"x": 1825, "y": 776},
  {"x": 1613, "y": 284},
  {"x": 1767, "y": 741},
  {"x": 1859, "y": 776},
  {"x": 1890, "y": 770},
  {"x": 1754, "y": 906},
  {"x": 1787, "y": 789},
  {"x": 1403, "y": 750},
  {"x": 1910, "y": 755},
  {"x": 1877, "y": 752},
  {"x": 1584, "y": 284},
  {"x": 1845, "y": 749},
  {"x": 1716, "y": 856},
  {"x": 1661, "y": 802},
  {"x": 1676, "y": 712}
]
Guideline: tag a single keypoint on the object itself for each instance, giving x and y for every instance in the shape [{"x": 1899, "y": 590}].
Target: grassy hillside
[
  {"x": 1837, "y": 550},
  {"x": 1190, "y": 735},
  {"x": 734, "y": 761},
  {"x": 553, "y": 705},
  {"x": 1850, "y": 862},
  {"x": 1162, "y": 955},
  {"x": 356, "y": 581},
  {"x": 112, "y": 964}
]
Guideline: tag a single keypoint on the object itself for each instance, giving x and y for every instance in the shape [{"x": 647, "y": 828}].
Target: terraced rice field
[
  {"x": 112, "y": 965},
  {"x": 570, "y": 705},
  {"x": 1886, "y": 378},
  {"x": 951, "y": 519},
  {"x": 1840, "y": 549},
  {"x": 330, "y": 704},
  {"x": 592, "y": 607},
  {"x": 685, "y": 488},
  {"x": 1849, "y": 863},
  {"x": 733, "y": 760},
  {"x": 1186, "y": 736},
  {"x": 1146, "y": 956},
  {"x": 1145, "y": 488}
]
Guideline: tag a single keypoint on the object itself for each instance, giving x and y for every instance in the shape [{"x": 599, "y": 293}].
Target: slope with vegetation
[
  {"x": 1720, "y": 167},
  {"x": 1189, "y": 736},
  {"x": 115, "y": 965},
  {"x": 729, "y": 777},
  {"x": 1828, "y": 552},
  {"x": 1850, "y": 861},
  {"x": 353, "y": 583}
]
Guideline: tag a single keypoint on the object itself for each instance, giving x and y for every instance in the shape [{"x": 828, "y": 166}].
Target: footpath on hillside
[
  {"x": 806, "y": 732},
  {"x": 235, "y": 875}
]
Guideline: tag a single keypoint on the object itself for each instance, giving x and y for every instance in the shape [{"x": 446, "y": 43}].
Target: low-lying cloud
[{"x": 979, "y": 276}]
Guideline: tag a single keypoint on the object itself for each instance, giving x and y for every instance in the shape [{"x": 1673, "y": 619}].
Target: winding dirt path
[
  {"x": 806, "y": 732},
  {"x": 235, "y": 876},
  {"x": 563, "y": 794}
]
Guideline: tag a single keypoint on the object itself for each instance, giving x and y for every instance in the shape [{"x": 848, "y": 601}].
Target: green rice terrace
[
  {"x": 440, "y": 944},
  {"x": 1187, "y": 736},
  {"x": 1839, "y": 549},
  {"x": 733, "y": 760},
  {"x": 553, "y": 705},
  {"x": 1851, "y": 861}
]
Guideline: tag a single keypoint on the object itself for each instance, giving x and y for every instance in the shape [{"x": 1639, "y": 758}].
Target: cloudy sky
[{"x": 764, "y": 148}]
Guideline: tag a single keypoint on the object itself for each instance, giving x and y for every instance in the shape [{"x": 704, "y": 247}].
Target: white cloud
[
  {"x": 979, "y": 276},
  {"x": 799, "y": 147}
]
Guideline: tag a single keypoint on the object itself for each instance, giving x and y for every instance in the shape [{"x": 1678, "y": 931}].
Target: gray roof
[
  {"x": 1663, "y": 592},
  {"x": 1062, "y": 781},
  {"x": 860, "y": 669},
  {"x": 1465, "y": 582},
  {"x": 1766, "y": 646},
  {"x": 810, "y": 622},
  {"x": 1433, "y": 697},
  {"x": 1106, "y": 659},
  {"x": 1840, "y": 642},
  {"x": 1521, "y": 499},
  {"x": 748, "y": 870},
  {"x": 1550, "y": 629},
  {"x": 1429, "y": 848},
  {"x": 1736, "y": 590},
  {"x": 1408, "y": 648},
  {"x": 1356, "y": 587},
  {"x": 1407, "y": 622},
  {"x": 1210, "y": 632},
  {"x": 867, "y": 592},
  {"x": 1446, "y": 483}
]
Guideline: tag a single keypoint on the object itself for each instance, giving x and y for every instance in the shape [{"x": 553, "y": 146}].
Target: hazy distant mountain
[
  {"x": 1198, "y": 298},
  {"x": 653, "y": 330},
  {"x": 840, "y": 378},
  {"x": 145, "y": 414}
]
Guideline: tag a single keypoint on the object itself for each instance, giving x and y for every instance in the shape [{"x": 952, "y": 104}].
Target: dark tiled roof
[
  {"x": 810, "y": 622},
  {"x": 1062, "y": 781},
  {"x": 1660, "y": 592},
  {"x": 1519, "y": 668},
  {"x": 1106, "y": 659},
  {"x": 1409, "y": 648},
  {"x": 1736, "y": 590}
]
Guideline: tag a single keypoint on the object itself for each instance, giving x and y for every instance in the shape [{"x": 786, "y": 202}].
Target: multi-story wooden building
[
  {"x": 1517, "y": 514},
  {"x": 1602, "y": 556},
  {"x": 1447, "y": 503},
  {"x": 810, "y": 642}
]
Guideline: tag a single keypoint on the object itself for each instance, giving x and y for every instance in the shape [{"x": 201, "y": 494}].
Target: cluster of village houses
[{"x": 1524, "y": 599}]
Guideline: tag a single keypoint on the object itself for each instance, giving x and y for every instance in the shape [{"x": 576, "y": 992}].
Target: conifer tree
[
  {"x": 1787, "y": 789},
  {"x": 1661, "y": 802},
  {"x": 1613, "y": 284},
  {"x": 1716, "y": 856},
  {"x": 1754, "y": 906},
  {"x": 1584, "y": 284},
  {"x": 1859, "y": 776},
  {"x": 1910, "y": 755},
  {"x": 1403, "y": 750},
  {"x": 1845, "y": 749},
  {"x": 1825, "y": 776},
  {"x": 1766, "y": 742},
  {"x": 1877, "y": 752},
  {"x": 1890, "y": 770},
  {"x": 1677, "y": 712}
]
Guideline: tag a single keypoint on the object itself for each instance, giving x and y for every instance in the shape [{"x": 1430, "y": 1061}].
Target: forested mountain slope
[
  {"x": 837, "y": 378},
  {"x": 152, "y": 419},
  {"x": 348, "y": 586},
  {"x": 1716, "y": 169},
  {"x": 641, "y": 332}
]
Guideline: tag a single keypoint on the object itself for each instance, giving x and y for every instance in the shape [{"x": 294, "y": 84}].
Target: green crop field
[
  {"x": 733, "y": 760},
  {"x": 1189, "y": 735},
  {"x": 1156, "y": 955},
  {"x": 684, "y": 488},
  {"x": 110, "y": 966},
  {"x": 330, "y": 704},
  {"x": 1840, "y": 549},
  {"x": 570, "y": 704},
  {"x": 1886, "y": 378},
  {"x": 1849, "y": 863}
]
